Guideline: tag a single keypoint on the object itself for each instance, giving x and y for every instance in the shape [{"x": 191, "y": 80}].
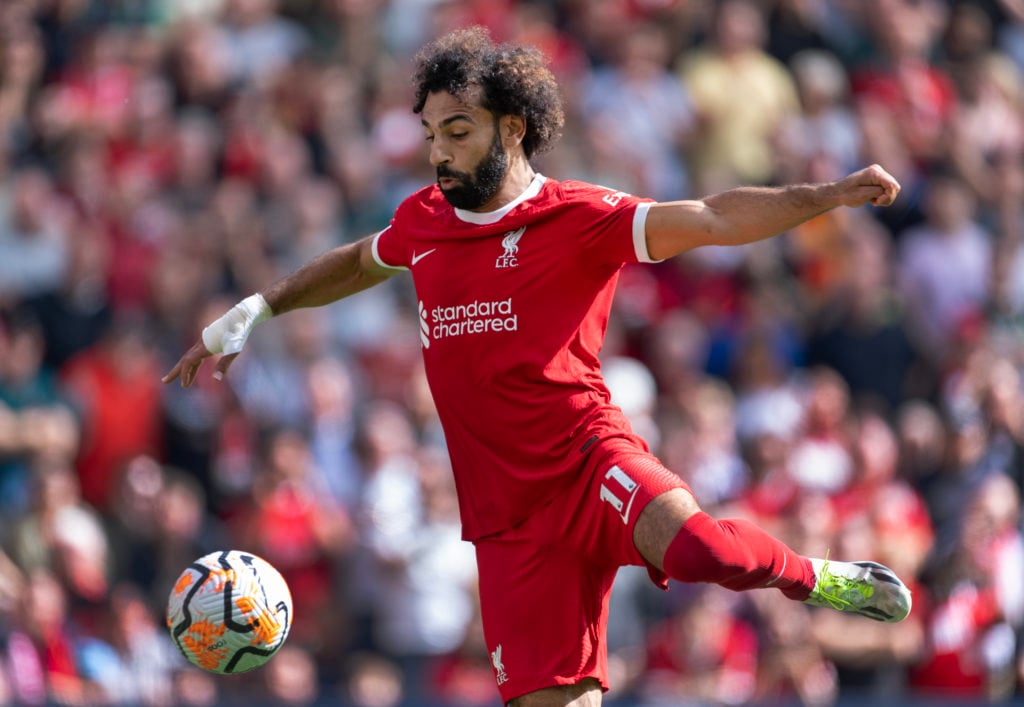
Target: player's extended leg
[
  {"x": 676, "y": 536},
  {"x": 586, "y": 693}
]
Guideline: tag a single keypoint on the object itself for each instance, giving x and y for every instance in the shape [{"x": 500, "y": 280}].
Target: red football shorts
[{"x": 545, "y": 584}]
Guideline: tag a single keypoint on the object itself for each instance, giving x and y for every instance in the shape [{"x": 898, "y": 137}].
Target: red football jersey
[{"x": 513, "y": 308}]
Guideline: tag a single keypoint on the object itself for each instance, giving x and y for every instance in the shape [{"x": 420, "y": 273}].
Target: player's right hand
[
  {"x": 226, "y": 335},
  {"x": 188, "y": 365}
]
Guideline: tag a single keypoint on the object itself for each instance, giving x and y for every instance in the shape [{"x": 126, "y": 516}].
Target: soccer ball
[{"x": 229, "y": 612}]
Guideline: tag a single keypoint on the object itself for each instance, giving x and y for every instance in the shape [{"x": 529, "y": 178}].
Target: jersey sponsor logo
[
  {"x": 477, "y": 317},
  {"x": 614, "y": 198},
  {"x": 619, "y": 490},
  {"x": 499, "y": 667},
  {"x": 510, "y": 242},
  {"x": 417, "y": 257}
]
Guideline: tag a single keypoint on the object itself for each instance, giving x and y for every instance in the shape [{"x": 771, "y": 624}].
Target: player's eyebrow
[{"x": 449, "y": 120}]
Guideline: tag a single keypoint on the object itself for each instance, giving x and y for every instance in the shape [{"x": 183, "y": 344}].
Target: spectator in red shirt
[{"x": 111, "y": 387}]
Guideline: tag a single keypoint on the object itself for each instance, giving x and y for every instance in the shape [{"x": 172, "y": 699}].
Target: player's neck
[{"x": 517, "y": 179}]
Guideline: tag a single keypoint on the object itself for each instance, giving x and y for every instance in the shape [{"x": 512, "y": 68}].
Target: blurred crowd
[{"x": 854, "y": 386}]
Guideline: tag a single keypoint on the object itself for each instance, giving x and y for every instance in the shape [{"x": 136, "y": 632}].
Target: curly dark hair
[{"x": 514, "y": 78}]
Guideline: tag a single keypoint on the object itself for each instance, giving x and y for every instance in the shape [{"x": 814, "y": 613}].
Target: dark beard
[{"x": 475, "y": 190}]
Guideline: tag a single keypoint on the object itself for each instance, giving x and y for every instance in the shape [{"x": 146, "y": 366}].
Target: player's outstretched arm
[
  {"x": 748, "y": 214},
  {"x": 336, "y": 274}
]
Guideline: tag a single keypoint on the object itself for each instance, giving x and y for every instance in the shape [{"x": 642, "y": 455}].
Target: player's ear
[{"x": 512, "y": 129}]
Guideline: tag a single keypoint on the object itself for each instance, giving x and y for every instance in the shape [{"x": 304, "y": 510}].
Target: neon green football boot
[{"x": 865, "y": 588}]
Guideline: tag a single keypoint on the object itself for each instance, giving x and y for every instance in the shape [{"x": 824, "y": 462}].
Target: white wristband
[{"x": 228, "y": 334}]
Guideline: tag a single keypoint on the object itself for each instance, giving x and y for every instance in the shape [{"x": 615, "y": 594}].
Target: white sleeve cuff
[
  {"x": 640, "y": 233},
  {"x": 376, "y": 254}
]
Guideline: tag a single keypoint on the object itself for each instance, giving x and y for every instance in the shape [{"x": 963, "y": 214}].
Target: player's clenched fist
[{"x": 871, "y": 185}]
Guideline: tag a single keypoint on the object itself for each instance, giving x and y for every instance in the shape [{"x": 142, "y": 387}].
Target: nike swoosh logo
[{"x": 417, "y": 258}]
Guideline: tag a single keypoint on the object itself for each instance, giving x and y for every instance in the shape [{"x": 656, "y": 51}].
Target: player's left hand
[{"x": 871, "y": 185}]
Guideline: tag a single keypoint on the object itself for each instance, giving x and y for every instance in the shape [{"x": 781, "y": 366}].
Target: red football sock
[{"x": 738, "y": 555}]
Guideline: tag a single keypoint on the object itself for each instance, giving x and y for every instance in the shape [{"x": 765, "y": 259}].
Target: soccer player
[{"x": 515, "y": 275}]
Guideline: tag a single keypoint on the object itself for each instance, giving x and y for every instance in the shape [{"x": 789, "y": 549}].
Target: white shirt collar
[{"x": 488, "y": 217}]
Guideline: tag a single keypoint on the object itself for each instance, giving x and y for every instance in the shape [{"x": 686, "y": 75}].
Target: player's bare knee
[
  {"x": 585, "y": 693},
  {"x": 660, "y": 521}
]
